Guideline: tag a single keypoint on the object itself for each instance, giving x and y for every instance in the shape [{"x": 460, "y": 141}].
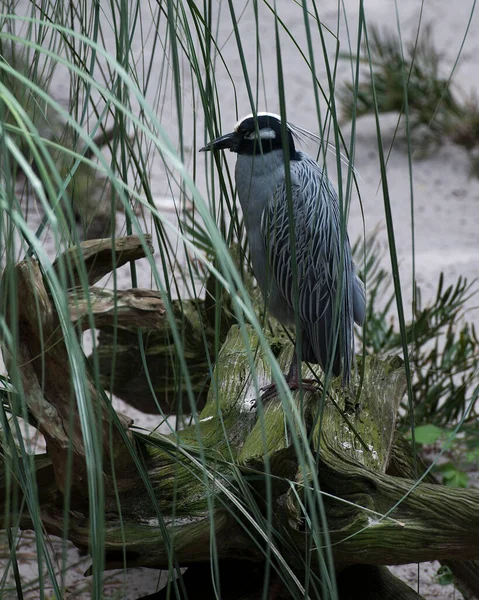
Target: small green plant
[
  {"x": 444, "y": 576},
  {"x": 444, "y": 357},
  {"x": 429, "y": 98},
  {"x": 443, "y": 347},
  {"x": 453, "y": 471},
  {"x": 409, "y": 79}
]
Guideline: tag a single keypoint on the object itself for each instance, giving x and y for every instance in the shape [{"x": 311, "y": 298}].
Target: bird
[{"x": 300, "y": 254}]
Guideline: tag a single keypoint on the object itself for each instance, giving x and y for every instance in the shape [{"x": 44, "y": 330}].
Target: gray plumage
[{"x": 330, "y": 295}]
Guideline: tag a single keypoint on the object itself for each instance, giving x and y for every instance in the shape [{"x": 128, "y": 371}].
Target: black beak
[{"x": 230, "y": 140}]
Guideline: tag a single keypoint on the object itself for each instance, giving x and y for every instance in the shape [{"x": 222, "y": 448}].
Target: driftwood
[
  {"x": 402, "y": 463},
  {"x": 132, "y": 366},
  {"x": 377, "y": 515},
  {"x": 96, "y": 258}
]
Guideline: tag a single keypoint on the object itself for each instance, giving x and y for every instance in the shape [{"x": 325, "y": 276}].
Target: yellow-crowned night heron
[{"x": 312, "y": 259}]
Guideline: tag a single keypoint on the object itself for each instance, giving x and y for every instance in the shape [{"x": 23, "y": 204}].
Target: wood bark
[{"x": 403, "y": 463}]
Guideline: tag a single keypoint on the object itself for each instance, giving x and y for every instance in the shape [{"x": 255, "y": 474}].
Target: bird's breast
[{"x": 257, "y": 178}]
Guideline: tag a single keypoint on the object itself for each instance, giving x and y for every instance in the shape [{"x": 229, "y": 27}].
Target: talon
[
  {"x": 269, "y": 391},
  {"x": 292, "y": 379}
]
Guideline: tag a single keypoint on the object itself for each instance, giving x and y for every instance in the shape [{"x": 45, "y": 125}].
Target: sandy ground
[{"x": 445, "y": 200}]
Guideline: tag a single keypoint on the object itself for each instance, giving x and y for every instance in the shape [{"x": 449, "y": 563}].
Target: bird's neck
[{"x": 256, "y": 180}]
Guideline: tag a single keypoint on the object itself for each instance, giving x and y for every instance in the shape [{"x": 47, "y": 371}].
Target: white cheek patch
[{"x": 264, "y": 134}]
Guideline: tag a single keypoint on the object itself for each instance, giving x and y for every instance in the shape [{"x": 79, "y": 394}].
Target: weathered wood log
[
  {"x": 126, "y": 308},
  {"x": 402, "y": 463},
  {"x": 134, "y": 367},
  {"x": 42, "y": 361},
  {"x": 238, "y": 463},
  {"x": 118, "y": 314},
  {"x": 230, "y": 437},
  {"x": 99, "y": 257}
]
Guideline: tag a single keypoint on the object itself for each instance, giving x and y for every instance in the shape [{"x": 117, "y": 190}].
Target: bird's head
[{"x": 258, "y": 135}]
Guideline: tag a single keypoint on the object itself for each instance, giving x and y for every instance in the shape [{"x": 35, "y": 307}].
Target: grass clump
[{"x": 413, "y": 71}]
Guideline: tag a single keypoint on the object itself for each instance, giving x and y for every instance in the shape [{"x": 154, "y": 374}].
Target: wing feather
[{"x": 330, "y": 297}]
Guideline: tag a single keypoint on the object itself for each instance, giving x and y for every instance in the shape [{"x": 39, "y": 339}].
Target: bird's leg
[{"x": 292, "y": 379}]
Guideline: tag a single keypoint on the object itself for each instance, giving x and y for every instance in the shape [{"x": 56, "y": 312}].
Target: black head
[{"x": 255, "y": 136}]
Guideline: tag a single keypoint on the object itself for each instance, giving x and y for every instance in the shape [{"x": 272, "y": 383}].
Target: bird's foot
[
  {"x": 307, "y": 385},
  {"x": 268, "y": 392}
]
